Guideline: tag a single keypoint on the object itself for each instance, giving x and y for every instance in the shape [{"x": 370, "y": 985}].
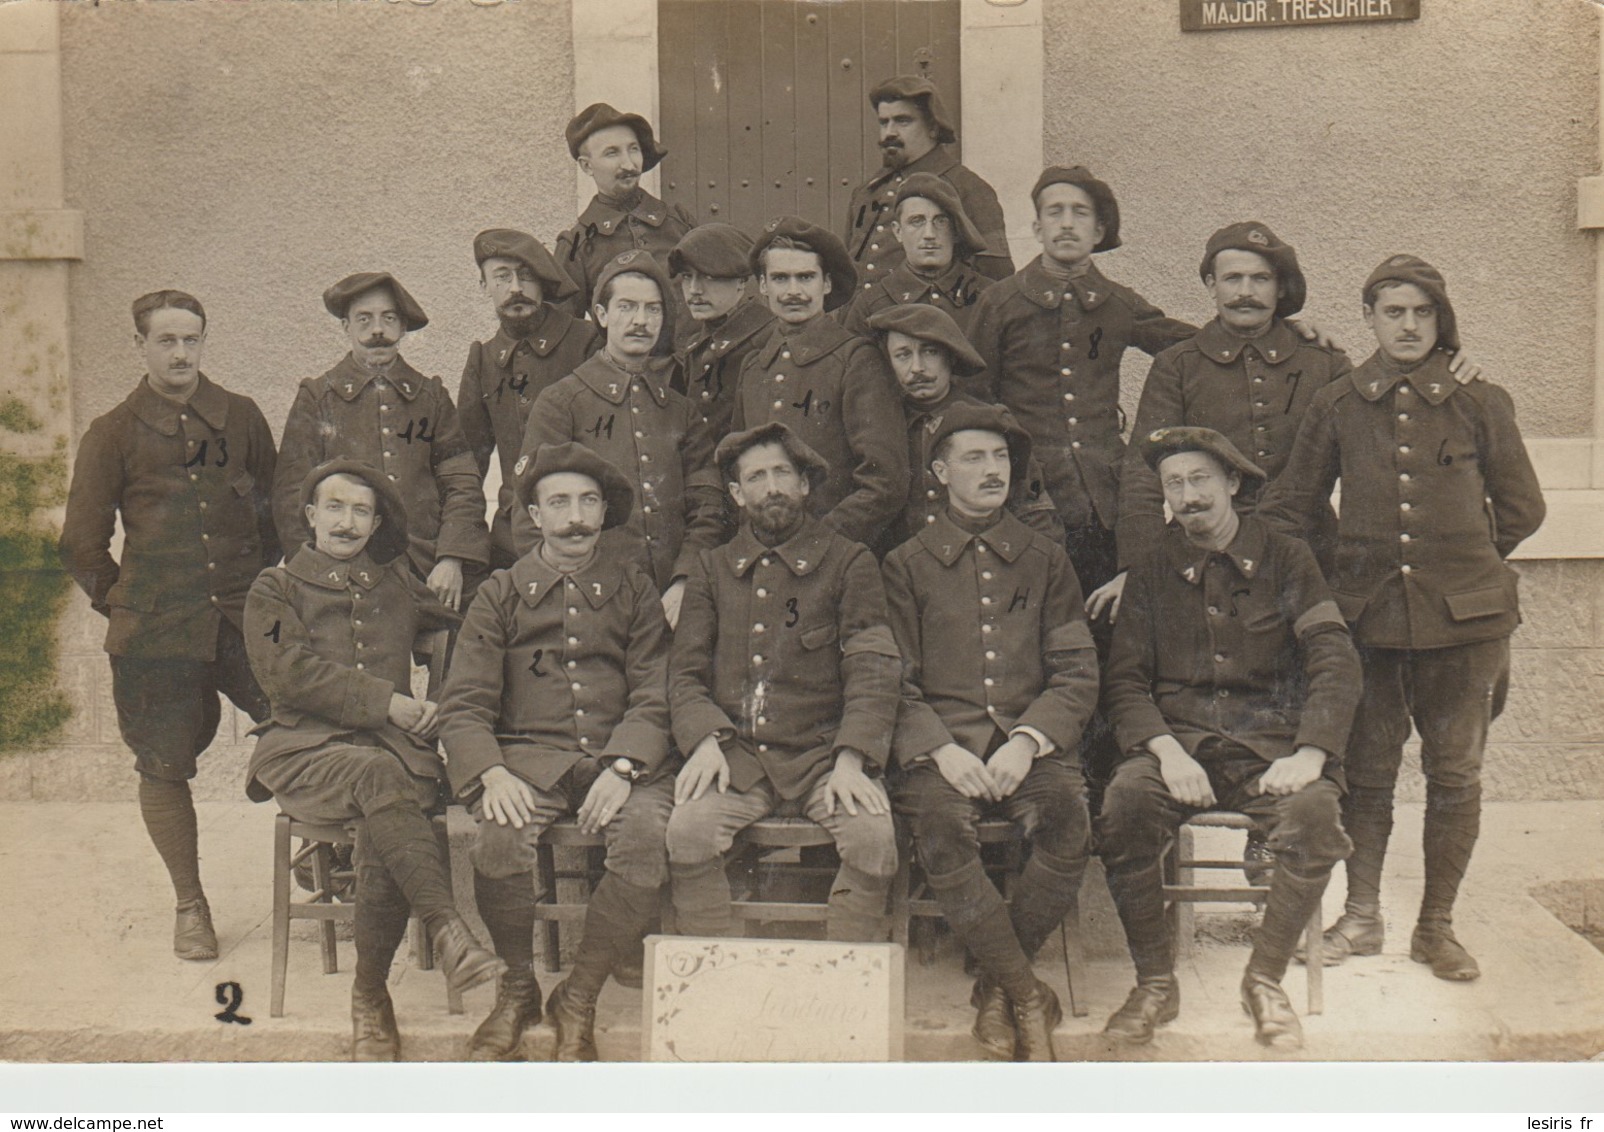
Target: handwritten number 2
[
  {"x": 534, "y": 665},
  {"x": 230, "y": 996}
]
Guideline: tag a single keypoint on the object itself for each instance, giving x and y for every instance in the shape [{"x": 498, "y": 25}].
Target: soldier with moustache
[
  {"x": 712, "y": 266},
  {"x": 537, "y": 344}
]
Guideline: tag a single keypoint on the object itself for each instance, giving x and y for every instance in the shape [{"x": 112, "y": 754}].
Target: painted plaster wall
[{"x": 1458, "y": 137}]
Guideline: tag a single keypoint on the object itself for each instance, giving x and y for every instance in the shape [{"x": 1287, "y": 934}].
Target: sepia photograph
[{"x": 802, "y": 531}]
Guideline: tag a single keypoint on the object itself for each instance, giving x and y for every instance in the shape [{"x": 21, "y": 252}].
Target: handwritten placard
[
  {"x": 1230, "y": 15},
  {"x": 771, "y": 1000}
]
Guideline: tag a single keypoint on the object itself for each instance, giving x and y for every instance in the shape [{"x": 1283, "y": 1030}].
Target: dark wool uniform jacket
[
  {"x": 192, "y": 483},
  {"x": 1437, "y": 490},
  {"x": 873, "y": 207},
  {"x": 499, "y": 385},
  {"x": 330, "y": 642},
  {"x": 927, "y": 497},
  {"x": 403, "y": 424},
  {"x": 1052, "y": 356},
  {"x": 656, "y": 439},
  {"x": 955, "y": 291},
  {"x": 785, "y": 653},
  {"x": 711, "y": 359},
  {"x": 604, "y": 231},
  {"x": 834, "y": 390},
  {"x": 1254, "y": 391},
  {"x": 552, "y": 668},
  {"x": 1246, "y": 645},
  {"x": 992, "y": 636}
]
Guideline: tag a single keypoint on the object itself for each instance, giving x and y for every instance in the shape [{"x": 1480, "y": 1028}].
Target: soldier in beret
[
  {"x": 712, "y": 266},
  {"x": 537, "y": 344},
  {"x": 999, "y": 678},
  {"x": 828, "y": 386},
  {"x": 1232, "y": 685},
  {"x": 926, "y": 350},
  {"x": 375, "y": 408},
  {"x": 556, "y": 705},
  {"x": 939, "y": 244},
  {"x": 915, "y": 133},
  {"x": 783, "y": 690},
  {"x": 614, "y": 149},
  {"x": 621, "y": 403},
  {"x": 187, "y": 465},
  {"x": 331, "y": 637},
  {"x": 1437, "y": 490}
]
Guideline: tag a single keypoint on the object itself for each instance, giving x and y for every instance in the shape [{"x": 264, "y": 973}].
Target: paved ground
[{"x": 90, "y": 976}]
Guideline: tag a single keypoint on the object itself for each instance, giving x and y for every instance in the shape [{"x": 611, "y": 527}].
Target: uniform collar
[
  {"x": 1091, "y": 289},
  {"x": 956, "y": 283},
  {"x": 610, "y": 381},
  {"x": 802, "y": 552},
  {"x": 1431, "y": 379},
  {"x": 1246, "y": 551},
  {"x": 208, "y": 402},
  {"x": 930, "y": 415},
  {"x": 946, "y": 540},
  {"x": 939, "y": 160},
  {"x": 747, "y": 318},
  {"x": 604, "y": 217},
  {"x": 348, "y": 379},
  {"x": 315, "y": 568},
  {"x": 534, "y": 578},
  {"x": 820, "y": 337},
  {"x": 554, "y": 324},
  {"x": 1276, "y": 345}
]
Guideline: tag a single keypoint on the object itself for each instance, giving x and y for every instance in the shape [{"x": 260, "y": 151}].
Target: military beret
[
  {"x": 807, "y": 461},
  {"x": 1251, "y": 236},
  {"x": 967, "y": 240},
  {"x": 988, "y": 418},
  {"x": 832, "y": 253},
  {"x": 338, "y": 298},
  {"x": 598, "y": 116},
  {"x": 638, "y": 262},
  {"x": 572, "y": 456},
  {"x": 508, "y": 243},
  {"x": 917, "y": 88},
  {"x": 1413, "y": 269},
  {"x": 1102, "y": 197},
  {"x": 390, "y": 539},
  {"x": 930, "y": 324},
  {"x": 719, "y": 250},
  {"x": 1165, "y": 442}
]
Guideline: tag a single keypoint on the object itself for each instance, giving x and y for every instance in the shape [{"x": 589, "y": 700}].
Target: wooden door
[{"x": 765, "y": 102}]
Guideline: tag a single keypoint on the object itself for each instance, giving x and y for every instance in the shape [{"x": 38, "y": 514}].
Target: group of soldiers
[{"x": 842, "y": 529}]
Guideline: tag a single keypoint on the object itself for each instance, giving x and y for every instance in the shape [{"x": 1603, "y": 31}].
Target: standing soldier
[
  {"x": 829, "y": 387},
  {"x": 783, "y": 690},
  {"x": 915, "y": 131},
  {"x": 375, "y": 408},
  {"x": 614, "y": 149},
  {"x": 620, "y": 404},
  {"x": 999, "y": 678},
  {"x": 188, "y": 465},
  {"x": 939, "y": 243},
  {"x": 1437, "y": 490},
  {"x": 557, "y": 704},
  {"x": 537, "y": 344},
  {"x": 712, "y": 266}
]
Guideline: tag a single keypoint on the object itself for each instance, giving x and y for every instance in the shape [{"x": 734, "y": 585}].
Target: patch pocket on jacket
[
  {"x": 120, "y": 595},
  {"x": 818, "y": 637},
  {"x": 243, "y": 484},
  {"x": 1489, "y": 601}
]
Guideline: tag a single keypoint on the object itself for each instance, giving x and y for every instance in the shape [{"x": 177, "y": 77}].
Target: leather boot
[
  {"x": 374, "y": 1036},
  {"x": 1275, "y": 1023},
  {"x": 1154, "y": 1000},
  {"x": 994, "y": 1022},
  {"x": 1434, "y": 943},
  {"x": 1358, "y": 931},
  {"x": 466, "y": 964},
  {"x": 193, "y": 935},
  {"x": 573, "y": 1016},
  {"x": 500, "y": 1036},
  {"x": 1035, "y": 1018}
]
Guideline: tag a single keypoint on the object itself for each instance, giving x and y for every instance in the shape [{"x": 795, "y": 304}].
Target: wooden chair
[
  {"x": 318, "y": 850},
  {"x": 550, "y": 909},
  {"x": 1181, "y": 892}
]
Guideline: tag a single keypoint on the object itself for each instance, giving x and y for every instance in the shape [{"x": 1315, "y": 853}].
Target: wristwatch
[{"x": 626, "y": 769}]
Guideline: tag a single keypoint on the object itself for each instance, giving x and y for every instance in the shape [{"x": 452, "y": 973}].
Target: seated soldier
[
  {"x": 999, "y": 678},
  {"x": 330, "y": 638},
  {"x": 556, "y": 705},
  {"x": 1232, "y": 685},
  {"x": 783, "y": 687}
]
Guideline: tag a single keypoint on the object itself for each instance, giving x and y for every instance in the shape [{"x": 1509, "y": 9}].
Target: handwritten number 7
[{"x": 1292, "y": 394}]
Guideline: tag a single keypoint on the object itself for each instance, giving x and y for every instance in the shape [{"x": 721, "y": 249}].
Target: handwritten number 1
[{"x": 272, "y": 634}]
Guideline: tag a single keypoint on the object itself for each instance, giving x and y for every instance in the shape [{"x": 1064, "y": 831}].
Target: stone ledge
[{"x": 42, "y": 234}]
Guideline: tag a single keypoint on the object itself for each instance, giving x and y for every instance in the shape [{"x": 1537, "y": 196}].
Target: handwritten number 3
[{"x": 791, "y": 615}]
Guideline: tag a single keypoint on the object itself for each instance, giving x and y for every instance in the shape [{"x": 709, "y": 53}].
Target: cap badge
[
  {"x": 1259, "y": 238},
  {"x": 518, "y": 468}
]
